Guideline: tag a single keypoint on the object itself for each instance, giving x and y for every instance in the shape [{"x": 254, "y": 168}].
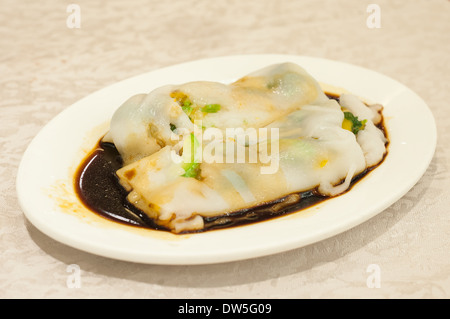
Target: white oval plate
[{"x": 45, "y": 177}]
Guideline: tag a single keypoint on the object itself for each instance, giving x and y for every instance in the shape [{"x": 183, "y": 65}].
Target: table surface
[{"x": 46, "y": 66}]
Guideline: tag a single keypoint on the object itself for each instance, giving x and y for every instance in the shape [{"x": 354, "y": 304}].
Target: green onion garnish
[{"x": 210, "y": 108}]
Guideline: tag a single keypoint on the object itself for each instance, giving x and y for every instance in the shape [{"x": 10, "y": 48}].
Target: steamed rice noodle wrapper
[{"x": 160, "y": 136}]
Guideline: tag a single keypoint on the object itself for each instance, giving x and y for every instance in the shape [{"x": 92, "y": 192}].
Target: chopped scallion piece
[
  {"x": 187, "y": 103},
  {"x": 187, "y": 110},
  {"x": 352, "y": 123},
  {"x": 190, "y": 148},
  {"x": 210, "y": 108},
  {"x": 192, "y": 170}
]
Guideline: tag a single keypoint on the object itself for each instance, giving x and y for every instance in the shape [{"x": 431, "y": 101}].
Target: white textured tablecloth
[{"x": 45, "y": 66}]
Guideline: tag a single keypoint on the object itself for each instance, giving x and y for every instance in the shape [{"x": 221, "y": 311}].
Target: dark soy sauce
[{"x": 99, "y": 189}]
